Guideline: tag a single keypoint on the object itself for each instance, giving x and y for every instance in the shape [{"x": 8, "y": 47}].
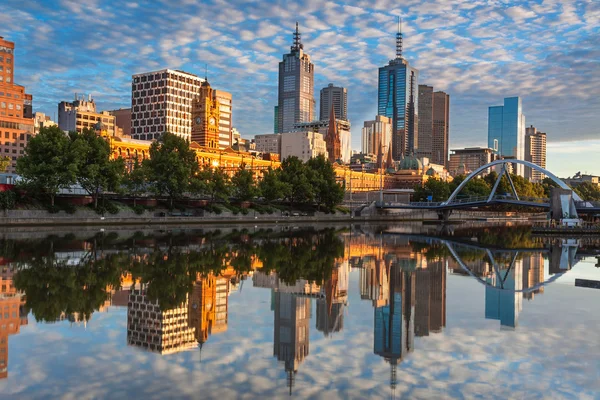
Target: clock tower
[{"x": 205, "y": 118}]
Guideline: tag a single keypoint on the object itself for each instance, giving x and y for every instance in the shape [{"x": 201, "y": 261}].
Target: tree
[
  {"x": 327, "y": 190},
  {"x": 244, "y": 187},
  {"x": 547, "y": 185},
  {"x": 4, "y": 163},
  {"x": 270, "y": 185},
  {"x": 438, "y": 189},
  {"x": 135, "y": 182},
  {"x": 588, "y": 191},
  {"x": 218, "y": 184},
  {"x": 171, "y": 166},
  {"x": 96, "y": 172},
  {"x": 295, "y": 175},
  {"x": 49, "y": 163}
]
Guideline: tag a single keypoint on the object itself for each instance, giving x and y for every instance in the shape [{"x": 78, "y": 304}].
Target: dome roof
[
  {"x": 430, "y": 171},
  {"x": 411, "y": 163}
]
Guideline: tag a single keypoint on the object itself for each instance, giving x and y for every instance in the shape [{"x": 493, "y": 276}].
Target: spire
[
  {"x": 206, "y": 72},
  {"x": 297, "y": 39},
  {"x": 399, "y": 39}
]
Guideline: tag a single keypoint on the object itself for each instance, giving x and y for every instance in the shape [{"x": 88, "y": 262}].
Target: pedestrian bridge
[{"x": 494, "y": 198}]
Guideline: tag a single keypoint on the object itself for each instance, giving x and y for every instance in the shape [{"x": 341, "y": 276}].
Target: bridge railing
[
  {"x": 587, "y": 204},
  {"x": 480, "y": 199}
]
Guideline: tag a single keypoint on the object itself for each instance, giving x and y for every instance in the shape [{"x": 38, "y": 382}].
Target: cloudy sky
[{"x": 478, "y": 51}]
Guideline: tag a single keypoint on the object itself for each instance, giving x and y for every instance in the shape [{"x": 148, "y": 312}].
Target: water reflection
[{"x": 176, "y": 287}]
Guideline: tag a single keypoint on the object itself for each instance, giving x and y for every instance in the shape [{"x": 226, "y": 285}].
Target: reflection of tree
[{"x": 52, "y": 287}]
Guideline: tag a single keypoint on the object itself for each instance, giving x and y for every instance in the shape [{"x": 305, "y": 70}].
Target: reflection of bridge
[{"x": 494, "y": 198}]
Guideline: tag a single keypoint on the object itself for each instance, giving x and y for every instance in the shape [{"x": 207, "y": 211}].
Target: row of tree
[
  {"x": 440, "y": 190},
  {"x": 55, "y": 161}
]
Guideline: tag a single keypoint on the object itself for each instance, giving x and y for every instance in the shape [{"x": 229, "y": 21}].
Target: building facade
[
  {"x": 42, "y": 120},
  {"x": 397, "y": 99},
  {"x": 506, "y": 131},
  {"x": 16, "y": 122},
  {"x": 304, "y": 145},
  {"x": 225, "y": 104},
  {"x": 205, "y": 118},
  {"x": 81, "y": 114},
  {"x": 465, "y": 161},
  {"x": 434, "y": 125},
  {"x": 296, "y": 87},
  {"x": 269, "y": 143},
  {"x": 161, "y": 101},
  {"x": 122, "y": 120},
  {"x": 336, "y": 97},
  {"x": 535, "y": 152},
  {"x": 322, "y": 127},
  {"x": 375, "y": 134}
]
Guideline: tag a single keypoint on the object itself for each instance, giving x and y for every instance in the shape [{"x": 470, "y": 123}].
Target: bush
[
  {"x": 245, "y": 211},
  {"x": 69, "y": 208},
  {"x": 112, "y": 207},
  {"x": 52, "y": 209},
  {"x": 139, "y": 210},
  {"x": 7, "y": 200}
]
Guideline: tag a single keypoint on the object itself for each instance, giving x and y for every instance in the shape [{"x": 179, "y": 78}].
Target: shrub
[
  {"x": 69, "y": 208},
  {"x": 139, "y": 210},
  {"x": 52, "y": 209},
  {"x": 7, "y": 200},
  {"x": 112, "y": 207}
]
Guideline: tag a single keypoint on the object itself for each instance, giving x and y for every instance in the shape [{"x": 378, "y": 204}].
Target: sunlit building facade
[{"x": 535, "y": 152}]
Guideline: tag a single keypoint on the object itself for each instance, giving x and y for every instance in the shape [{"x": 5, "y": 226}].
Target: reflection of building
[
  {"x": 533, "y": 274},
  {"x": 430, "y": 308},
  {"x": 291, "y": 331},
  {"x": 502, "y": 301},
  {"x": 330, "y": 310},
  {"x": 12, "y": 314},
  {"x": 156, "y": 330}
]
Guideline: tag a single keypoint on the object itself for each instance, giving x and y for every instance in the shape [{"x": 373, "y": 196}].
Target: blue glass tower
[
  {"x": 506, "y": 130},
  {"x": 397, "y": 99}
]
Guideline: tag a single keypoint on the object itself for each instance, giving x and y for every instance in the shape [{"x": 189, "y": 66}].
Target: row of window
[
  {"x": 8, "y": 60},
  {"x": 16, "y": 96},
  {"x": 176, "y": 92},
  {"x": 165, "y": 75},
  {"x": 21, "y": 136},
  {"x": 7, "y": 80}
]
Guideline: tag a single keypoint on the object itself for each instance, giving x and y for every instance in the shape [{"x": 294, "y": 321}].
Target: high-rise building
[
  {"x": 434, "y": 125},
  {"x": 16, "y": 119},
  {"x": 81, "y": 113},
  {"x": 377, "y": 133},
  {"x": 296, "y": 87},
  {"x": 535, "y": 152},
  {"x": 336, "y": 97},
  {"x": 398, "y": 99},
  {"x": 506, "y": 131},
  {"x": 304, "y": 145},
  {"x": 225, "y": 103},
  {"x": 205, "y": 117},
  {"x": 161, "y": 101},
  {"x": 465, "y": 161},
  {"x": 122, "y": 120}
]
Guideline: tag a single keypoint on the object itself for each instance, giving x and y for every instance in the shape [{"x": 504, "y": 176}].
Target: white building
[
  {"x": 81, "y": 113},
  {"x": 225, "y": 123},
  {"x": 304, "y": 145},
  {"x": 269, "y": 143},
  {"x": 376, "y": 132},
  {"x": 161, "y": 101}
]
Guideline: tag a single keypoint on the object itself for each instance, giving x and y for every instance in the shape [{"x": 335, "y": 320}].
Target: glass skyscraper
[
  {"x": 506, "y": 131},
  {"x": 397, "y": 99}
]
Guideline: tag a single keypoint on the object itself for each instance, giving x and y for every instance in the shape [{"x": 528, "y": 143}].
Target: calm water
[{"x": 343, "y": 312}]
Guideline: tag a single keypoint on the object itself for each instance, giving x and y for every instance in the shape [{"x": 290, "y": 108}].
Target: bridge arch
[{"x": 479, "y": 170}]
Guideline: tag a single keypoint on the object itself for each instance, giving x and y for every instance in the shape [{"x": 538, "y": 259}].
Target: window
[
  {"x": 7, "y": 79},
  {"x": 8, "y": 60},
  {"x": 10, "y": 106}
]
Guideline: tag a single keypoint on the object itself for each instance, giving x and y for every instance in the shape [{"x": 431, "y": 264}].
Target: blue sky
[{"x": 478, "y": 51}]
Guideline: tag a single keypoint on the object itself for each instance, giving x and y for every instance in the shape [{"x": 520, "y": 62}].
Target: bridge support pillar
[
  {"x": 562, "y": 205},
  {"x": 444, "y": 215}
]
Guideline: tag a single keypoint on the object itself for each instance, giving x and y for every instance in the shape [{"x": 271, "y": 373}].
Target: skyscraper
[
  {"x": 535, "y": 152},
  {"x": 434, "y": 125},
  {"x": 161, "y": 101},
  {"x": 398, "y": 99},
  {"x": 16, "y": 118},
  {"x": 506, "y": 131},
  {"x": 376, "y": 133},
  {"x": 296, "y": 87},
  {"x": 336, "y": 97}
]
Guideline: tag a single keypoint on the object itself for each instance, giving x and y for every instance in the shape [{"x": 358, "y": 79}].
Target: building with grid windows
[
  {"x": 336, "y": 97},
  {"x": 81, "y": 113},
  {"x": 506, "y": 131},
  {"x": 535, "y": 152},
  {"x": 434, "y": 125},
  {"x": 296, "y": 88},
  {"x": 16, "y": 116},
  {"x": 161, "y": 101}
]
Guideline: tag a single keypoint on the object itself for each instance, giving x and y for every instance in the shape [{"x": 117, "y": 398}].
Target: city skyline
[{"x": 463, "y": 57}]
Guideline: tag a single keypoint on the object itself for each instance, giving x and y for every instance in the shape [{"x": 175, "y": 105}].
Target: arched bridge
[{"x": 455, "y": 202}]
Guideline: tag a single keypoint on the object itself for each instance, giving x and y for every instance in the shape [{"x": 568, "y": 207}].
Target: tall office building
[
  {"x": 225, "y": 104},
  {"x": 375, "y": 134},
  {"x": 161, "y": 101},
  {"x": 81, "y": 113},
  {"x": 398, "y": 99},
  {"x": 16, "y": 117},
  {"x": 122, "y": 120},
  {"x": 465, "y": 161},
  {"x": 535, "y": 152},
  {"x": 506, "y": 131},
  {"x": 336, "y": 97},
  {"x": 434, "y": 125},
  {"x": 296, "y": 87}
]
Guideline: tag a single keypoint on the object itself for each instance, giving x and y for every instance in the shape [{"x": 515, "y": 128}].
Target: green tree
[
  {"x": 219, "y": 185},
  {"x": 547, "y": 185},
  {"x": 96, "y": 172},
  {"x": 476, "y": 187},
  {"x": 171, "y": 167},
  {"x": 271, "y": 187},
  {"x": 4, "y": 163},
  {"x": 437, "y": 188},
  {"x": 8, "y": 199},
  {"x": 588, "y": 191},
  {"x": 326, "y": 189},
  {"x": 244, "y": 186},
  {"x": 135, "y": 182},
  {"x": 296, "y": 177},
  {"x": 49, "y": 163}
]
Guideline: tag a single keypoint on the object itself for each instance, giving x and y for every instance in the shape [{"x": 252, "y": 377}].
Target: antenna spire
[
  {"x": 206, "y": 72},
  {"x": 297, "y": 39},
  {"x": 399, "y": 39}
]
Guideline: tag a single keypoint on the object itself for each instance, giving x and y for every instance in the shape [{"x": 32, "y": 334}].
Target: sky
[{"x": 478, "y": 51}]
